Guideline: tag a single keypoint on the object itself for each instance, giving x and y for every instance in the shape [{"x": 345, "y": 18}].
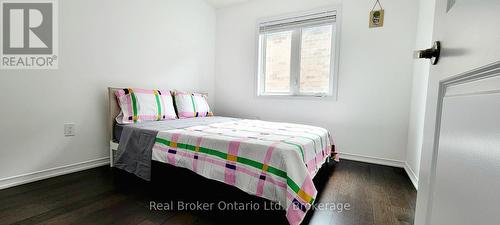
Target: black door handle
[{"x": 430, "y": 53}]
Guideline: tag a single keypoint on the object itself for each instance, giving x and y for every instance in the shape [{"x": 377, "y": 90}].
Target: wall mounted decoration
[{"x": 377, "y": 16}]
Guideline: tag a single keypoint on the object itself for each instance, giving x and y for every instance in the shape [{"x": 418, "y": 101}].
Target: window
[{"x": 297, "y": 55}]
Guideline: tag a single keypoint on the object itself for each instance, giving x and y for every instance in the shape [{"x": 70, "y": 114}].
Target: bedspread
[
  {"x": 136, "y": 142},
  {"x": 276, "y": 161}
]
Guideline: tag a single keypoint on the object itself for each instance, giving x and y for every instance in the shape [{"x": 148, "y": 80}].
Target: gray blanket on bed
[
  {"x": 137, "y": 140},
  {"x": 134, "y": 151}
]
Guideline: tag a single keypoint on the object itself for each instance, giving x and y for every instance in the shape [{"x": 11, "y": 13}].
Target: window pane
[
  {"x": 277, "y": 65},
  {"x": 315, "y": 59}
]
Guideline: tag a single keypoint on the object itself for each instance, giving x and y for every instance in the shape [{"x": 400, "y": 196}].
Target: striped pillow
[
  {"x": 139, "y": 105},
  {"x": 191, "y": 105}
]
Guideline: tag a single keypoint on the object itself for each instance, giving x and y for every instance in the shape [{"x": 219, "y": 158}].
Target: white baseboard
[
  {"x": 412, "y": 175},
  {"x": 374, "y": 160},
  {"x": 53, "y": 172},
  {"x": 385, "y": 162}
]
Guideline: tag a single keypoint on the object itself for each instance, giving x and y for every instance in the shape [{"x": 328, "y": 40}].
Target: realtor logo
[{"x": 29, "y": 34}]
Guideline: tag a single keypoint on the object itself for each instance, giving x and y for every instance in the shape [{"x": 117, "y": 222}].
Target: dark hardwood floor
[{"x": 374, "y": 195}]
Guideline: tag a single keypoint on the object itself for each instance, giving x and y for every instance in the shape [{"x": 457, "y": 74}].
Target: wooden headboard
[{"x": 114, "y": 109}]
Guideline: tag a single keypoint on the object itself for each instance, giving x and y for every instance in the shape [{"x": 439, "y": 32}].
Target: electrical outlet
[{"x": 69, "y": 129}]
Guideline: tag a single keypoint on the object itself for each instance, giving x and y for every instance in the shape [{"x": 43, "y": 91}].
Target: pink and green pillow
[
  {"x": 138, "y": 105},
  {"x": 191, "y": 105}
]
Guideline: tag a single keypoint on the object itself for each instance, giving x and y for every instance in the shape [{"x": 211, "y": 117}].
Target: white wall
[
  {"x": 370, "y": 117},
  {"x": 154, "y": 43},
  {"x": 425, "y": 25}
]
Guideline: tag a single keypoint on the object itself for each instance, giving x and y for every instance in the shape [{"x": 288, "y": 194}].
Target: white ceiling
[{"x": 224, "y": 3}]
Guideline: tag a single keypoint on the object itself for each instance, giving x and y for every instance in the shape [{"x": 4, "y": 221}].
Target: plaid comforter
[{"x": 276, "y": 161}]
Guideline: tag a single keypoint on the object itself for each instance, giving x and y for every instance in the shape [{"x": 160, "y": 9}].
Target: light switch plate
[{"x": 69, "y": 129}]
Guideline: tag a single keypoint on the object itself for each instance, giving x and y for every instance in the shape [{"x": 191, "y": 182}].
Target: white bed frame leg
[{"x": 112, "y": 149}]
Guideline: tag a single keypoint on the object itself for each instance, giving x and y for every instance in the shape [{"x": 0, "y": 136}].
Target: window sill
[{"x": 302, "y": 97}]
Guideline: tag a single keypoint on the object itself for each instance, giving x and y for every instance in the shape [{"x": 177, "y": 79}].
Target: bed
[{"x": 275, "y": 161}]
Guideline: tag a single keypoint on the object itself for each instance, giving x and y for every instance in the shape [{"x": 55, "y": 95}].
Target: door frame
[{"x": 481, "y": 73}]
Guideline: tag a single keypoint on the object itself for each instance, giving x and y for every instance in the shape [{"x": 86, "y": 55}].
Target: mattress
[{"x": 117, "y": 132}]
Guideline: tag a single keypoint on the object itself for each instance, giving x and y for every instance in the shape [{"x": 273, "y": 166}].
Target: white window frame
[{"x": 295, "y": 61}]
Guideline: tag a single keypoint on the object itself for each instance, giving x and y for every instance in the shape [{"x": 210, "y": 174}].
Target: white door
[{"x": 459, "y": 182}]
